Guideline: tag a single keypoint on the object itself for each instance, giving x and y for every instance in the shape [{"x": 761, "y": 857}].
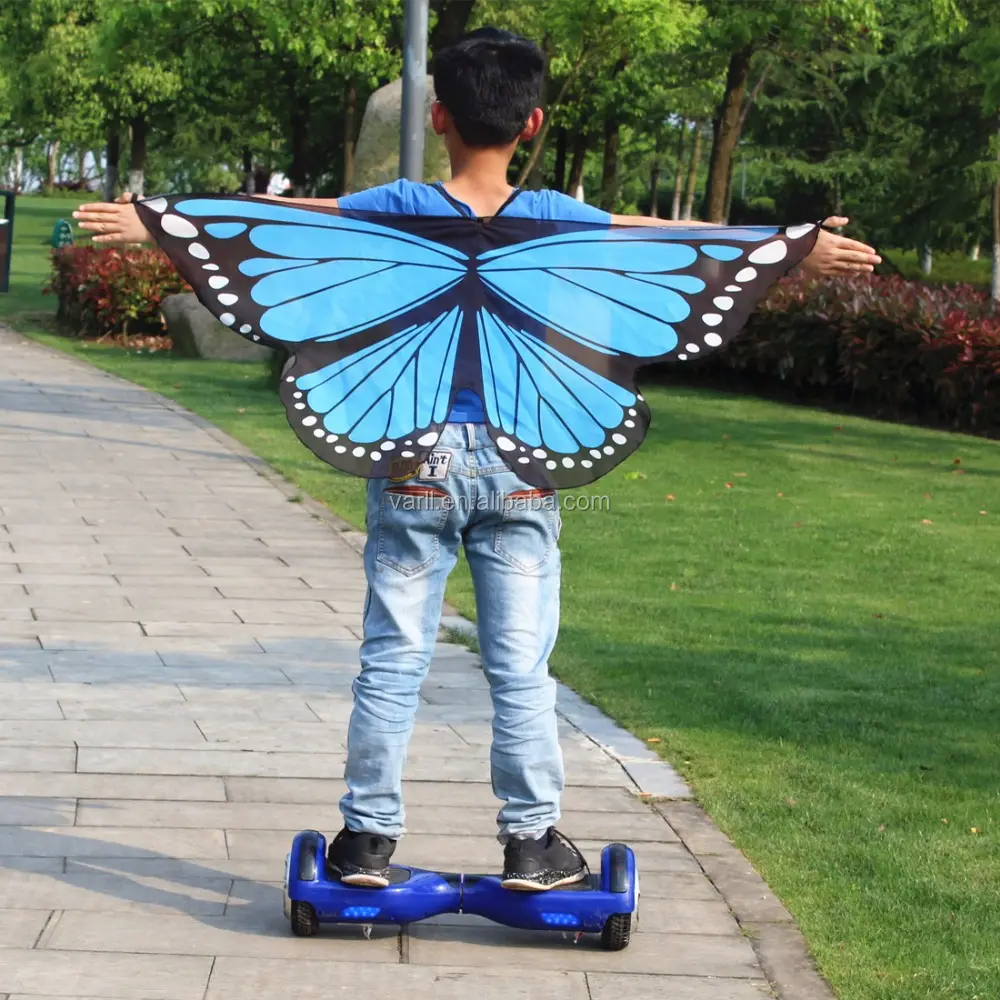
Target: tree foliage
[{"x": 886, "y": 110}]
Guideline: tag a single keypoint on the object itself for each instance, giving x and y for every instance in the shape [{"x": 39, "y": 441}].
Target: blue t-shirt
[{"x": 404, "y": 197}]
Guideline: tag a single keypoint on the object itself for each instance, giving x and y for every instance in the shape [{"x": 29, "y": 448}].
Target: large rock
[
  {"x": 196, "y": 333},
  {"x": 376, "y": 157}
]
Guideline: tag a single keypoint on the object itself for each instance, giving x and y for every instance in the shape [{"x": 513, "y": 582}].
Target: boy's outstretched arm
[
  {"x": 118, "y": 221},
  {"x": 315, "y": 202},
  {"x": 113, "y": 221},
  {"x": 832, "y": 254}
]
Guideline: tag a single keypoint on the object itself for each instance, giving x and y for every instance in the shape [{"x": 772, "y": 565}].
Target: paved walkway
[{"x": 177, "y": 643}]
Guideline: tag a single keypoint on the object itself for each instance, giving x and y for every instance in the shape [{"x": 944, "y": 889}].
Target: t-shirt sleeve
[
  {"x": 562, "y": 206},
  {"x": 393, "y": 197}
]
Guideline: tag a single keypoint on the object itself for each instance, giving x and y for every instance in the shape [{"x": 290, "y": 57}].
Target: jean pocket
[
  {"x": 411, "y": 518},
  {"x": 528, "y": 530}
]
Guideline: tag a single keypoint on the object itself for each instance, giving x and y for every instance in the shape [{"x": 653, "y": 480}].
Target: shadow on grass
[{"x": 925, "y": 705}]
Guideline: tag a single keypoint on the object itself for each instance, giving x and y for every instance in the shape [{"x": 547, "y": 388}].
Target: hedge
[
  {"x": 894, "y": 348},
  {"x": 106, "y": 292}
]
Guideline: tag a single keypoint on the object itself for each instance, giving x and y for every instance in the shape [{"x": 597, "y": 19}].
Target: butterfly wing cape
[{"x": 386, "y": 317}]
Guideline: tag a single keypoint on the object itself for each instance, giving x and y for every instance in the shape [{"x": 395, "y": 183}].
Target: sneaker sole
[
  {"x": 371, "y": 881},
  {"x": 525, "y": 885}
]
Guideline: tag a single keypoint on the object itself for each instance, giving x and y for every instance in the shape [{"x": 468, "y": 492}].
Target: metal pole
[{"x": 411, "y": 140}]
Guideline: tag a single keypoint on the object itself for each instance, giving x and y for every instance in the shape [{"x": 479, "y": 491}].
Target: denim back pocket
[
  {"x": 528, "y": 530},
  {"x": 411, "y": 518}
]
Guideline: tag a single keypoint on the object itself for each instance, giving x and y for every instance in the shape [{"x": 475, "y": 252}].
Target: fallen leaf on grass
[
  {"x": 739, "y": 474},
  {"x": 241, "y": 409},
  {"x": 956, "y": 461},
  {"x": 982, "y": 512},
  {"x": 838, "y": 428},
  {"x": 944, "y": 821},
  {"x": 725, "y": 437},
  {"x": 729, "y": 486},
  {"x": 958, "y": 472},
  {"x": 797, "y": 524},
  {"x": 928, "y": 496},
  {"x": 791, "y": 802},
  {"x": 176, "y": 385},
  {"x": 635, "y": 475},
  {"x": 926, "y": 520},
  {"x": 877, "y": 614},
  {"x": 654, "y": 739},
  {"x": 881, "y": 828},
  {"x": 670, "y": 498},
  {"x": 674, "y": 586},
  {"x": 974, "y": 829},
  {"x": 780, "y": 494}
]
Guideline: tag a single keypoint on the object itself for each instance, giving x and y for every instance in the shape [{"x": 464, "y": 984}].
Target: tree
[
  {"x": 748, "y": 37},
  {"x": 984, "y": 53}
]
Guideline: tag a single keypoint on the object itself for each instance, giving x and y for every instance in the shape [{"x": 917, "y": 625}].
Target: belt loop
[{"x": 470, "y": 436}]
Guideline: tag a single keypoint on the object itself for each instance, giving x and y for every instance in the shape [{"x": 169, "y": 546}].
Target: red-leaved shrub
[
  {"x": 112, "y": 291},
  {"x": 899, "y": 348}
]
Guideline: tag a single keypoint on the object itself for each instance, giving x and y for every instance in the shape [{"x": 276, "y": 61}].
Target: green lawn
[
  {"x": 946, "y": 268},
  {"x": 34, "y": 218},
  {"x": 809, "y": 627}
]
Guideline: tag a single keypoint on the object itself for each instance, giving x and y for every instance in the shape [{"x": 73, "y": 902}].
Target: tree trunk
[
  {"x": 692, "y": 178},
  {"x": 926, "y": 259},
  {"x": 609, "y": 171},
  {"x": 297, "y": 169},
  {"x": 576, "y": 167},
  {"x": 995, "y": 284},
  {"x": 81, "y": 168},
  {"x": 612, "y": 140},
  {"x": 18, "y": 168},
  {"x": 654, "y": 189},
  {"x": 350, "y": 112},
  {"x": 729, "y": 192},
  {"x": 562, "y": 141},
  {"x": 453, "y": 17},
  {"x": 538, "y": 144},
  {"x": 112, "y": 155},
  {"x": 137, "y": 161},
  {"x": 248, "y": 187},
  {"x": 726, "y": 133},
  {"x": 974, "y": 251},
  {"x": 52, "y": 156},
  {"x": 675, "y": 208}
]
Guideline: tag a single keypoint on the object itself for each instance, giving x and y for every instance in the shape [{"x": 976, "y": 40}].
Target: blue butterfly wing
[
  {"x": 362, "y": 306},
  {"x": 557, "y": 421},
  {"x": 380, "y": 407},
  {"x": 283, "y": 275},
  {"x": 655, "y": 294}
]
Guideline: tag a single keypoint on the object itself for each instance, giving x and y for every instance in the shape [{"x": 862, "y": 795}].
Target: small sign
[
  {"x": 6, "y": 238},
  {"x": 62, "y": 235}
]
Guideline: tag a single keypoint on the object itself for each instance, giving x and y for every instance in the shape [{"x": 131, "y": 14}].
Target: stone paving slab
[{"x": 177, "y": 646}]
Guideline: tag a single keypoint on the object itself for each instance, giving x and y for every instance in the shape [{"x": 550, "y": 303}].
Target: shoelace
[{"x": 565, "y": 840}]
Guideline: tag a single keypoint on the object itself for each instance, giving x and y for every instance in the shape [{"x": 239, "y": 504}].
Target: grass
[
  {"x": 802, "y": 609},
  {"x": 34, "y": 218},
  {"x": 946, "y": 268}
]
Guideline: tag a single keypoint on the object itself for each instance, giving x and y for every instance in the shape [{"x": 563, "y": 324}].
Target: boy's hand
[
  {"x": 114, "y": 222},
  {"x": 837, "y": 255}
]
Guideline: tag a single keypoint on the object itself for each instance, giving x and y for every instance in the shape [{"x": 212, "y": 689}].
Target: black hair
[{"x": 490, "y": 81}]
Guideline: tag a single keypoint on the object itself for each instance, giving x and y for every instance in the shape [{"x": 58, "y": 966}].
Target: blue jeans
[{"x": 464, "y": 495}]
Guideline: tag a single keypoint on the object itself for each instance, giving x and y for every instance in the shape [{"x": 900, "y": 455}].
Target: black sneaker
[
  {"x": 361, "y": 858},
  {"x": 547, "y": 863}
]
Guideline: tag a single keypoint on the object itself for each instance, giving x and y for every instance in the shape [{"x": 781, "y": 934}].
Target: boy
[{"x": 487, "y": 88}]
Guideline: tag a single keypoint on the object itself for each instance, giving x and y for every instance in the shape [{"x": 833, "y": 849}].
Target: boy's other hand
[
  {"x": 113, "y": 222},
  {"x": 837, "y": 255}
]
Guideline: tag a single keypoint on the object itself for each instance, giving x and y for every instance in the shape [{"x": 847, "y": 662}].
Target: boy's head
[{"x": 489, "y": 83}]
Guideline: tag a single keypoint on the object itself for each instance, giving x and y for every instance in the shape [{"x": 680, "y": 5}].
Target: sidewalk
[{"x": 177, "y": 643}]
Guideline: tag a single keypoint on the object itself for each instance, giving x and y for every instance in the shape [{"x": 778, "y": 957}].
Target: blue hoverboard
[{"x": 600, "y": 904}]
